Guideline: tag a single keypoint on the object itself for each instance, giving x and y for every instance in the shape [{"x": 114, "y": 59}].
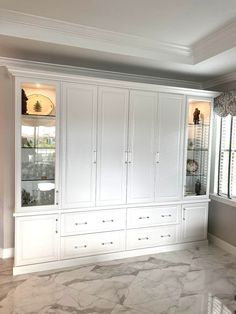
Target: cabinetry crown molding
[{"x": 34, "y": 69}]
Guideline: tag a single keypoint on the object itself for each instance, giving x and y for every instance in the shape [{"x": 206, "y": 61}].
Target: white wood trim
[
  {"x": 34, "y": 69},
  {"x": 105, "y": 257},
  {"x": 222, "y": 244},
  {"x": 23, "y": 212},
  {"x": 6, "y": 253}
]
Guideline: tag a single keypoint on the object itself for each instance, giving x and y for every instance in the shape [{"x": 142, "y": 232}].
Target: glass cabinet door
[
  {"x": 38, "y": 145},
  {"x": 198, "y": 130}
]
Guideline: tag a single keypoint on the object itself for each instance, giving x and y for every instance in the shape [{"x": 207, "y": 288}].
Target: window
[{"x": 226, "y": 183}]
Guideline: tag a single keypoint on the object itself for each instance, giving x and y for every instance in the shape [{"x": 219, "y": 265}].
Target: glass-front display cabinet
[
  {"x": 197, "y": 147},
  {"x": 38, "y": 145}
]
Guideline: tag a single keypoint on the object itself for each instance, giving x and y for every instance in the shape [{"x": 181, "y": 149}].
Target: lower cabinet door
[
  {"x": 148, "y": 237},
  {"x": 91, "y": 244},
  {"x": 194, "y": 226},
  {"x": 36, "y": 239}
]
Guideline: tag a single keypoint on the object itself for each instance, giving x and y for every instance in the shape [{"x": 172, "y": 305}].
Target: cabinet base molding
[
  {"x": 229, "y": 248},
  {"x": 19, "y": 270}
]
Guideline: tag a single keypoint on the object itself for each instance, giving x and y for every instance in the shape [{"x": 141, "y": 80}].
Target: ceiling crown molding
[
  {"x": 43, "y": 29},
  {"x": 23, "y": 67},
  {"x": 223, "y": 79},
  {"x": 217, "y": 42}
]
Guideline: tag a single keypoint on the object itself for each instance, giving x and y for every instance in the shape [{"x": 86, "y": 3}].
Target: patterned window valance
[{"x": 225, "y": 104}]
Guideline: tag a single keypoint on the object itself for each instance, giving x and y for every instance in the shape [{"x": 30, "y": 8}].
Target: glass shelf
[
  {"x": 198, "y": 149},
  {"x": 38, "y": 180},
  {"x": 199, "y": 124},
  {"x": 27, "y": 147},
  {"x": 35, "y": 116}
]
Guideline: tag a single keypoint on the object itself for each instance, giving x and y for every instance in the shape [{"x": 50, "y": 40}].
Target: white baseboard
[
  {"x": 6, "y": 253},
  {"x": 222, "y": 244}
]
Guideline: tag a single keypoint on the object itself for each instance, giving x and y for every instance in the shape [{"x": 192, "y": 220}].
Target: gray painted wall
[
  {"x": 222, "y": 221},
  {"x": 7, "y": 152}
]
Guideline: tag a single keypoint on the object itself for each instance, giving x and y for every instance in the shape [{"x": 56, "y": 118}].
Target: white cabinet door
[
  {"x": 170, "y": 147},
  {"x": 112, "y": 146},
  {"x": 142, "y": 147},
  {"x": 37, "y": 239},
  {"x": 79, "y": 115},
  {"x": 194, "y": 225}
]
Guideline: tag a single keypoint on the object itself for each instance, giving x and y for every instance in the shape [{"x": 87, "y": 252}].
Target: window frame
[{"x": 228, "y": 198}]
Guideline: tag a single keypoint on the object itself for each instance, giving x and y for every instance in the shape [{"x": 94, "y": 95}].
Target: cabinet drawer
[
  {"x": 90, "y": 244},
  {"x": 151, "y": 216},
  {"x": 148, "y": 237},
  {"x": 94, "y": 221}
]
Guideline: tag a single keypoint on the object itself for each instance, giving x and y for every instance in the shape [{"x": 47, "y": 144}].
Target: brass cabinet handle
[
  {"x": 81, "y": 223},
  {"x": 80, "y": 246},
  {"x": 145, "y": 238},
  {"x": 109, "y": 220}
]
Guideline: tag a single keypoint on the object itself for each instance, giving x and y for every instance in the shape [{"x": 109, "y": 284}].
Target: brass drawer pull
[
  {"x": 145, "y": 238},
  {"x": 169, "y": 215},
  {"x": 106, "y": 243},
  {"x": 81, "y": 223},
  {"x": 166, "y": 236},
  {"x": 111, "y": 220},
  {"x": 144, "y": 217},
  {"x": 79, "y": 247}
]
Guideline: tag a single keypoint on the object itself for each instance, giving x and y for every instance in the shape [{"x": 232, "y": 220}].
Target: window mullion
[
  {"x": 219, "y": 162},
  {"x": 230, "y": 154}
]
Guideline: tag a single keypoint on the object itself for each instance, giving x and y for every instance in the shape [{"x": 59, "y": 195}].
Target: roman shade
[{"x": 225, "y": 104}]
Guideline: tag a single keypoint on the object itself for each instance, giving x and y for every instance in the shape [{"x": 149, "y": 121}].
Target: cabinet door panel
[
  {"x": 142, "y": 147},
  {"x": 112, "y": 146},
  {"x": 36, "y": 239},
  {"x": 79, "y": 143},
  {"x": 170, "y": 147},
  {"x": 195, "y": 222}
]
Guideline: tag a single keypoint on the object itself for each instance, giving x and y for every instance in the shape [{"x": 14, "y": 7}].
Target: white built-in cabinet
[
  {"x": 79, "y": 134},
  {"x": 37, "y": 239},
  {"x": 112, "y": 136},
  {"x": 142, "y": 147},
  {"x": 120, "y": 147},
  {"x": 119, "y": 185},
  {"x": 194, "y": 222},
  {"x": 170, "y": 147}
]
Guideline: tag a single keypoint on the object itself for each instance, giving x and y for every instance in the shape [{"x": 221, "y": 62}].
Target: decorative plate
[
  {"x": 39, "y": 105},
  {"x": 192, "y": 166}
]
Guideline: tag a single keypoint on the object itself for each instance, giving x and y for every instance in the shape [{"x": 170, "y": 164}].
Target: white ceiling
[{"x": 185, "y": 39}]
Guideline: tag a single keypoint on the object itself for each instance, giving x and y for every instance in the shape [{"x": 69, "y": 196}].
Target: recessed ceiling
[
  {"x": 171, "y": 38},
  {"x": 177, "y": 21}
]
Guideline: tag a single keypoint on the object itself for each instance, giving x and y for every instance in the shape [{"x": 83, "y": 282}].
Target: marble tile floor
[{"x": 196, "y": 281}]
